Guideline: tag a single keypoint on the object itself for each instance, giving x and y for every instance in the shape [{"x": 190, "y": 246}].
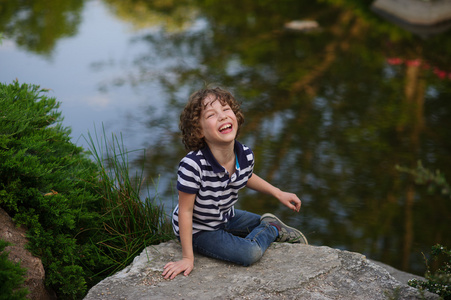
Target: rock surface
[
  {"x": 286, "y": 271},
  {"x": 418, "y": 12},
  {"x": 17, "y": 253}
]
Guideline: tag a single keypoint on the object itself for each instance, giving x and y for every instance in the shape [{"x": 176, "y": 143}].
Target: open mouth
[{"x": 225, "y": 127}]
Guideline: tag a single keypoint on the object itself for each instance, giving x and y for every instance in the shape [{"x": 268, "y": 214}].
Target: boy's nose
[{"x": 222, "y": 116}]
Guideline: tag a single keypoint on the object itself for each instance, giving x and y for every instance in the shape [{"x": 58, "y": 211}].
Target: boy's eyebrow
[
  {"x": 207, "y": 108},
  {"x": 210, "y": 103}
]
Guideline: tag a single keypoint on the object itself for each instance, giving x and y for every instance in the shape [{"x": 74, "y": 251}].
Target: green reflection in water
[
  {"x": 37, "y": 25},
  {"x": 329, "y": 113}
]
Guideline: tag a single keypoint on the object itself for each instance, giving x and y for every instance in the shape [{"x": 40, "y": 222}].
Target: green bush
[
  {"x": 11, "y": 277},
  {"x": 47, "y": 184},
  {"x": 438, "y": 282},
  {"x": 54, "y": 188}
]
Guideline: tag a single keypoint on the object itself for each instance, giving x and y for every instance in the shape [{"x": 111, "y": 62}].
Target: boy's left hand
[{"x": 290, "y": 200}]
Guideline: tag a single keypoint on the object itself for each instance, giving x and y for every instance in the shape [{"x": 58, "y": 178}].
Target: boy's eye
[{"x": 209, "y": 116}]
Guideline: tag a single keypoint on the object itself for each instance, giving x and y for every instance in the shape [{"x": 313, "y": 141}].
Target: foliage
[
  {"x": 46, "y": 183},
  {"x": 438, "y": 282},
  {"x": 11, "y": 277},
  {"x": 53, "y": 187},
  {"x": 129, "y": 223}
]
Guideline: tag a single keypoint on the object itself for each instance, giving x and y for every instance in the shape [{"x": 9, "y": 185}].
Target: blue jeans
[{"x": 242, "y": 240}]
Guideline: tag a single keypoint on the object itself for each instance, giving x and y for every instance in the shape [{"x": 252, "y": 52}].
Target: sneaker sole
[{"x": 273, "y": 216}]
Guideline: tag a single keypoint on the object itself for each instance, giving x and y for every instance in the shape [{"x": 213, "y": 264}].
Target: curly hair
[{"x": 190, "y": 116}]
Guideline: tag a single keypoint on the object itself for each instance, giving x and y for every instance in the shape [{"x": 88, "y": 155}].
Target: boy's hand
[
  {"x": 172, "y": 269},
  {"x": 290, "y": 200}
]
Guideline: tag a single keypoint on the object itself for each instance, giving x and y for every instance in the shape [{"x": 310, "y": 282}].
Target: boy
[{"x": 209, "y": 178}]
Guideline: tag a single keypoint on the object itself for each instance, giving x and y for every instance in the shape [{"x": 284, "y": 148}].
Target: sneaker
[{"x": 287, "y": 234}]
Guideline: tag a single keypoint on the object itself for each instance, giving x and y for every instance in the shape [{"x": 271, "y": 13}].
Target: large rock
[
  {"x": 35, "y": 275},
  {"x": 286, "y": 271},
  {"x": 419, "y": 12}
]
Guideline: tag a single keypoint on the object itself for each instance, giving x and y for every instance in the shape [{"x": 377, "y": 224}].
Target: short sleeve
[{"x": 188, "y": 176}]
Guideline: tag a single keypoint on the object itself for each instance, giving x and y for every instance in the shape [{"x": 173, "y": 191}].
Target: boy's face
[{"x": 218, "y": 123}]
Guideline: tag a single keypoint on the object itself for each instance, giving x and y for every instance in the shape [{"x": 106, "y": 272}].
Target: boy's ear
[{"x": 200, "y": 133}]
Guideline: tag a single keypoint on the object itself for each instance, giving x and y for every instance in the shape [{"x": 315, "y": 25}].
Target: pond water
[{"x": 329, "y": 112}]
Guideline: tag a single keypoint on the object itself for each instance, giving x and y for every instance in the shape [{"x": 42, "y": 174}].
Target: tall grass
[{"x": 130, "y": 223}]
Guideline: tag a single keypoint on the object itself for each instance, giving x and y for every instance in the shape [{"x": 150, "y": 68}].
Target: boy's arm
[
  {"x": 186, "y": 264},
  {"x": 258, "y": 184}
]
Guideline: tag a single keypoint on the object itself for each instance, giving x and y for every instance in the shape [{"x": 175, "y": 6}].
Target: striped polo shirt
[{"x": 216, "y": 192}]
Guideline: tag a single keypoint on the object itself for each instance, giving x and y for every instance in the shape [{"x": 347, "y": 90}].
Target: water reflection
[
  {"x": 329, "y": 113},
  {"x": 38, "y": 25},
  {"x": 328, "y": 116}
]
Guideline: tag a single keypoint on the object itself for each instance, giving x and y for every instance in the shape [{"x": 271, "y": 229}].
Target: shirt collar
[{"x": 217, "y": 168}]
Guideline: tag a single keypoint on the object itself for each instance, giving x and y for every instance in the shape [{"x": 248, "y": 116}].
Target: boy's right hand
[{"x": 172, "y": 269}]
